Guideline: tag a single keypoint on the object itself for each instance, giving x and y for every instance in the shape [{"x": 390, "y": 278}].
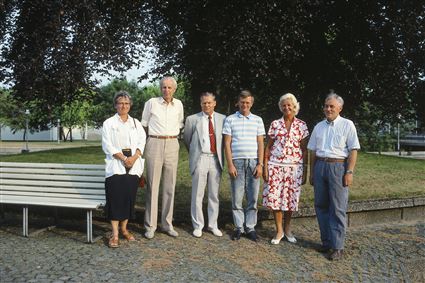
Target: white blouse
[{"x": 117, "y": 135}]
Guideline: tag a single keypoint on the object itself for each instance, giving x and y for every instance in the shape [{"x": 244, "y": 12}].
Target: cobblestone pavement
[{"x": 379, "y": 253}]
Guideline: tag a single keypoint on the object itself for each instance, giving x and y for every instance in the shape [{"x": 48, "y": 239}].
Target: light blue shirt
[
  {"x": 334, "y": 139},
  {"x": 244, "y": 131}
]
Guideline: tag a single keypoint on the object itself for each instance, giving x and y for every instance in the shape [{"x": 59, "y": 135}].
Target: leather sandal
[
  {"x": 128, "y": 236},
  {"x": 113, "y": 242}
]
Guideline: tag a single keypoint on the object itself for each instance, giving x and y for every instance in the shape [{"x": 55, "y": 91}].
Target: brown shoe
[
  {"x": 336, "y": 255},
  {"x": 113, "y": 242},
  {"x": 128, "y": 236}
]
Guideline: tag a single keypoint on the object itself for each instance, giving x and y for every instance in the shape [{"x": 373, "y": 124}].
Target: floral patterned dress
[{"x": 285, "y": 166}]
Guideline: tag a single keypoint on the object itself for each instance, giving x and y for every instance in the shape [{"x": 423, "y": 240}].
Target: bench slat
[
  {"x": 53, "y": 171},
  {"x": 51, "y": 165},
  {"x": 83, "y": 191},
  {"x": 52, "y": 177},
  {"x": 51, "y": 183},
  {"x": 48, "y": 201},
  {"x": 56, "y": 195}
]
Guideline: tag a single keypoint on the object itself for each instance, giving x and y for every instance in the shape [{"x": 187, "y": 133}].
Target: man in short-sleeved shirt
[
  {"x": 333, "y": 145},
  {"x": 162, "y": 119},
  {"x": 244, "y": 147}
]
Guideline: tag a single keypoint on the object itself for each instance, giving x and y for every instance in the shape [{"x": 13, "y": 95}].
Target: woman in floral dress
[{"x": 286, "y": 160}]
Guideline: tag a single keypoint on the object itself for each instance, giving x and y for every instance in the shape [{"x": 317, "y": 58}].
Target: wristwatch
[{"x": 349, "y": 172}]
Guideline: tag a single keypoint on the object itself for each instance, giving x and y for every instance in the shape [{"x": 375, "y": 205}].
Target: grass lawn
[{"x": 376, "y": 176}]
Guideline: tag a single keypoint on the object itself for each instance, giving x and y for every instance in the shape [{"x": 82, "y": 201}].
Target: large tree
[
  {"x": 368, "y": 51},
  {"x": 51, "y": 49}
]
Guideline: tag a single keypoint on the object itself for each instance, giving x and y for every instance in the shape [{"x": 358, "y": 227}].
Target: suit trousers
[
  {"x": 161, "y": 159},
  {"x": 330, "y": 202},
  {"x": 207, "y": 172}
]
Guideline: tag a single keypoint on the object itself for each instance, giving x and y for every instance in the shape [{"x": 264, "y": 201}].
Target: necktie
[{"x": 212, "y": 136}]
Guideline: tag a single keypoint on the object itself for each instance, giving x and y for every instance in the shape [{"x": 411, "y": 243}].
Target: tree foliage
[
  {"x": 368, "y": 51},
  {"x": 51, "y": 49}
]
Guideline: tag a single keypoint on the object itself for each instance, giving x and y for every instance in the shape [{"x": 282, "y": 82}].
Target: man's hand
[
  {"x": 258, "y": 171},
  {"x": 348, "y": 179},
  {"x": 232, "y": 171}
]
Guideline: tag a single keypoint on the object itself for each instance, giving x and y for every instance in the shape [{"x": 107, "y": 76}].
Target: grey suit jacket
[{"x": 193, "y": 133}]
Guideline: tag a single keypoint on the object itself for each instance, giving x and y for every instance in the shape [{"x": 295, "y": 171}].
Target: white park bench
[{"x": 49, "y": 184}]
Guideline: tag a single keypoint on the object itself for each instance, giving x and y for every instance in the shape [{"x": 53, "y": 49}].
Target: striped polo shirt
[{"x": 244, "y": 131}]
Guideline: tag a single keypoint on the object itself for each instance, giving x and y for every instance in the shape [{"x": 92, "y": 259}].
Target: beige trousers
[{"x": 162, "y": 157}]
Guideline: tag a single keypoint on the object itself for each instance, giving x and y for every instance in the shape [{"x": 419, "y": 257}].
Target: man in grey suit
[{"x": 203, "y": 139}]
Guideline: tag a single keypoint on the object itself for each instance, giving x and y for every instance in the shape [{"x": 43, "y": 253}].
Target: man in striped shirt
[{"x": 244, "y": 148}]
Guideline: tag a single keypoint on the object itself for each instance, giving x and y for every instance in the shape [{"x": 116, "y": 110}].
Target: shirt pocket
[
  {"x": 320, "y": 142},
  {"x": 339, "y": 141}
]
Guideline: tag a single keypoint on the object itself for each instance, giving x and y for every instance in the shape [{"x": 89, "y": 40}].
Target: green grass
[
  {"x": 376, "y": 176},
  {"x": 84, "y": 155}
]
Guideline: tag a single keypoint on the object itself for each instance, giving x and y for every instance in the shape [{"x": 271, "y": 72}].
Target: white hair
[
  {"x": 291, "y": 98},
  {"x": 338, "y": 98},
  {"x": 168, "y": 78}
]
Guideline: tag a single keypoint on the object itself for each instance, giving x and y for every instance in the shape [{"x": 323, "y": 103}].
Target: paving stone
[{"x": 386, "y": 252}]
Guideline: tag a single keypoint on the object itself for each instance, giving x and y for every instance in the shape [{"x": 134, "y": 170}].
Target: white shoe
[
  {"x": 291, "y": 239},
  {"x": 172, "y": 233},
  {"x": 216, "y": 232},
  {"x": 149, "y": 234},
  {"x": 197, "y": 233},
  {"x": 275, "y": 241}
]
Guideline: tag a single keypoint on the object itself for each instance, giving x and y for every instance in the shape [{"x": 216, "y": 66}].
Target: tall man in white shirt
[
  {"x": 162, "y": 119},
  {"x": 333, "y": 146},
  {"x": 203, "y": 139}
]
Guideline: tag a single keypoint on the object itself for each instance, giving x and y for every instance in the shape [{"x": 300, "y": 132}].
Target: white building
[{"x": 6, "y": 134}]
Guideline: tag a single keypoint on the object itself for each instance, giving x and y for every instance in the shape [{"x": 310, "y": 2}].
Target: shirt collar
[
  {"x": 334, "y": 122},
  {"x": 119, "y": 118},
  {"x": 205, "y": 115},
  {"x": 241, "y": 116},
  {"x": 162, "y": 100}
]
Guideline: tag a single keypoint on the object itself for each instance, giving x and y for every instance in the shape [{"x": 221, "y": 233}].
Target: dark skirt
[{"x": 121, "y": 193}]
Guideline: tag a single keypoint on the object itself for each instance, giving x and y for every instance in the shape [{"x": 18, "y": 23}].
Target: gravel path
[{"x": 377, "y": 253}]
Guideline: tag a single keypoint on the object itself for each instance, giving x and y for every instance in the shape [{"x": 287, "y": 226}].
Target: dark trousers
[{"x": 330, "y": 202}]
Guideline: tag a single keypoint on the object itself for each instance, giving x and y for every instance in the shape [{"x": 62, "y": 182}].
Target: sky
[{"x": 131, "y": 75}]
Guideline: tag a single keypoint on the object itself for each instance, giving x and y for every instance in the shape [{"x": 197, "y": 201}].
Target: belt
[
  {"x": 163, "y": 137},
  {"x": 331, "y": 160},
  {"x": 210, "y": 154}
]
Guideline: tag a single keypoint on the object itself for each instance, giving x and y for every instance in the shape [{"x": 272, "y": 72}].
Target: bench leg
[
  {"x": 89, "y": 226},
  {"x": 25, "y": 221}
]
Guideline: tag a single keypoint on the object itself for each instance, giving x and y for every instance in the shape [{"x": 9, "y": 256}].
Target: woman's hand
[
  {"x": 304, "y": 179},
  {"x": 266, "y": 175},
  {"x": 129, "y": 162}
]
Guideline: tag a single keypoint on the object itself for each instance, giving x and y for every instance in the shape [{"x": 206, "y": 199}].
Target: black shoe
[
  {"x": 336, "y": 255},
  {"x": 236, "y": 235},
  {"x": 323, "y": 250},
  {"x": 252, "y": 236}
]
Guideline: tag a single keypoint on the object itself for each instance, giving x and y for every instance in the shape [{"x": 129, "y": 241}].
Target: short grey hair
[
  {"x": 291, "y": 98},
  {"x": 120, "y": 94},
  {"x": 244, "y": 94},
  {"x": 338, "y": 98},
  {"x": 168, "y": 78},
  {"x": 207, "y": 93}
]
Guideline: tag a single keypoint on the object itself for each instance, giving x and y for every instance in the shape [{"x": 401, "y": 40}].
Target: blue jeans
[
  {"x": 245, "y": 183},
  {"x": 330, "y": 202}
]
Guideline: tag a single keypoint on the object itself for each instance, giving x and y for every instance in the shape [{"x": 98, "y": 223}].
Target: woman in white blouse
[{"x": 123, "y": 141}]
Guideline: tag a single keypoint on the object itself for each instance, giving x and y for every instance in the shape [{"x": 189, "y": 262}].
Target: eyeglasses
[{"x": 123, "y": 103}]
